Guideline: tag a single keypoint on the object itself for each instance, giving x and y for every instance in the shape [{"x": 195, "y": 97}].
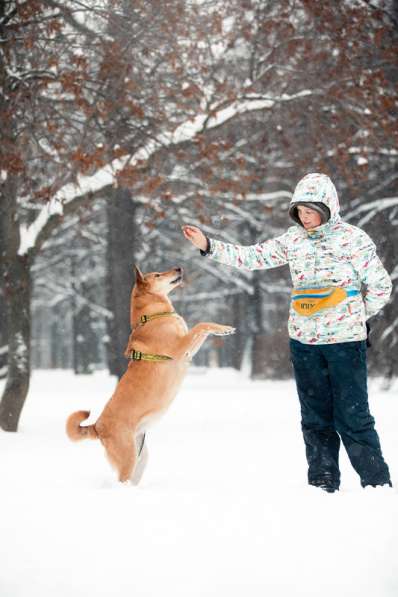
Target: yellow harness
[
  {"x": 307, "y": 301},
  {"x": 137, "y": 355}
]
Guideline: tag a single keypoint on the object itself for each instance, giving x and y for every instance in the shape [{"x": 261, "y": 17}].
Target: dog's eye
[{"x": 157, "y": 275}]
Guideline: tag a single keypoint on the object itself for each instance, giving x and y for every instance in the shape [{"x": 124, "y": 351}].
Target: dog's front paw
[{"x": 224, "y": 330}]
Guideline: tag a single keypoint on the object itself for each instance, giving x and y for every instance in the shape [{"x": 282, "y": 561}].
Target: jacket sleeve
[
  {"x": 372, "y": 274},
  {"x": 265, "y": 255}
]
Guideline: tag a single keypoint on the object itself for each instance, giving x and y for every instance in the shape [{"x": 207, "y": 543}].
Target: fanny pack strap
[{"x": 320, "y": 292}]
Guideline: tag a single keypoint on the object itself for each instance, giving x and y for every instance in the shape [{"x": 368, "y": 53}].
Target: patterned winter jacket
[{"x": 333, "y": 254}]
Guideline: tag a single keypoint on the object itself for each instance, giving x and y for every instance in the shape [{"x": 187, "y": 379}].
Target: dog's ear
[{"x": 139, "y": 276}]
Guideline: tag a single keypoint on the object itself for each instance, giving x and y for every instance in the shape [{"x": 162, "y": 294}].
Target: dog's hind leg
[
  {"x": 142, "y": 459},
  {"x": 122, "y": 454}
]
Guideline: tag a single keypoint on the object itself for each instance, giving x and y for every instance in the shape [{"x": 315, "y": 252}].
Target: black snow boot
[{"x": 327, "y": 485}]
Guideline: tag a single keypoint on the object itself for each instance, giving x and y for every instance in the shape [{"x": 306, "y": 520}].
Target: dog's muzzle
[
  {"x": 176, "y": 280},
  {"x": 179, "y": 277}
]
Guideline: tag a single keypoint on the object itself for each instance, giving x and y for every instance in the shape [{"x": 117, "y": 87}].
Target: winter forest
[{"x": 122, "y": 120}]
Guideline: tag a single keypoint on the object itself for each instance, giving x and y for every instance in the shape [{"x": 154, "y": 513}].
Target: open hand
[{"x": 196, "y": 236}]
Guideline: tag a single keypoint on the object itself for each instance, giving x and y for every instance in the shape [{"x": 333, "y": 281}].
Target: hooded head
[{"x": 317, "y": 192}]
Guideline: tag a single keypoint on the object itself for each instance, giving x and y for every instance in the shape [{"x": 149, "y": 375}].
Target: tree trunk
[
  {"x": 239, "y": 340},
  {"x": 3, "y": 337},
  {"x": 121, "y": 243},
  {"x": 259, "y": 358},
  {"x": 17, "y": 284}
]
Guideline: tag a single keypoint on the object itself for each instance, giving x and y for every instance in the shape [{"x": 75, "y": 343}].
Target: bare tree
[{"x": 241, "y": 98}]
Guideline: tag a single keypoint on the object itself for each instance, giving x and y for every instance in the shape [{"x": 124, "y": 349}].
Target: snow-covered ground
[{"x": 223, "y": 508}]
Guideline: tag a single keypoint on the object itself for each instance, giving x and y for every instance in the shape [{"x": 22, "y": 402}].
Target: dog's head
[{"x": 157, "y": 282}]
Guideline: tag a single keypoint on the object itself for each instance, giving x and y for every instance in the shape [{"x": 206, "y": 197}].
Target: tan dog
[{"x": 160, "y": 348}]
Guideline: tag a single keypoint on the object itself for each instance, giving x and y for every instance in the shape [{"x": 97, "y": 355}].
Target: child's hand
[{"x": 196, "y": 236}]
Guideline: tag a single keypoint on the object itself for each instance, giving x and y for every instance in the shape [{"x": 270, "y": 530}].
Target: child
[{"x": 329, "y": 262}]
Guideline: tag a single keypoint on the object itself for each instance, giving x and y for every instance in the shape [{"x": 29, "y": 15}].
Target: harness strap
[
  {"x": 137, "y": 355},
  {"x": 145, "y": 318}
]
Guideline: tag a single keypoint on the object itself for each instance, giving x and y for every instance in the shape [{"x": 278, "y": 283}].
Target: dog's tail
[{"x": 75, "y": 431}]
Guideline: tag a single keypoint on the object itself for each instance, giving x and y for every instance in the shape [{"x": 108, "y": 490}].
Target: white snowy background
[{"x": 223, "y": 508}]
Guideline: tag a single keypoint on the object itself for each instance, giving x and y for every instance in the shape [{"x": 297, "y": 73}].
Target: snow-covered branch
[
  {"x": 389, "y": 331},
  {"x": 372, "y": 209},
  {"x": 106, "y": 176}
]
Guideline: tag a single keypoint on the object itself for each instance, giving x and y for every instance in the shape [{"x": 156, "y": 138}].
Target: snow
[
  {"x": 30, "y": 233},
  {"x": 223, "y": 508}
]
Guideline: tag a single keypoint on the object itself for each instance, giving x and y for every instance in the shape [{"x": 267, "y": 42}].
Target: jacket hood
[{"x": 317, "y": 188}]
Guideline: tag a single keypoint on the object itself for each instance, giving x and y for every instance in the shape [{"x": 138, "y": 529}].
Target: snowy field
[{"x": 223, "y": 508}]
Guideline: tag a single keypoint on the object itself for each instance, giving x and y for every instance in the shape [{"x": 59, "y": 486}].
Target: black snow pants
[{"x": 332, "y": 387}]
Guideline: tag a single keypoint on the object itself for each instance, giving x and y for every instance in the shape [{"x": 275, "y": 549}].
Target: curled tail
[{"x": 73, "y": 429}]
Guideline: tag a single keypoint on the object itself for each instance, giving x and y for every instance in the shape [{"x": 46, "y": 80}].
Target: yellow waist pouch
[{"x": 307, "y": 301}]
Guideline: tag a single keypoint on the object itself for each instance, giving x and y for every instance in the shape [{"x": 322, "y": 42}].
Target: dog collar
[{"x": 137, "y": 355}]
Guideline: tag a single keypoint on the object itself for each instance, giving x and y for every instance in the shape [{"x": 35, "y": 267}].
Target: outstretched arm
[{"x": 265, "y": 255}]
